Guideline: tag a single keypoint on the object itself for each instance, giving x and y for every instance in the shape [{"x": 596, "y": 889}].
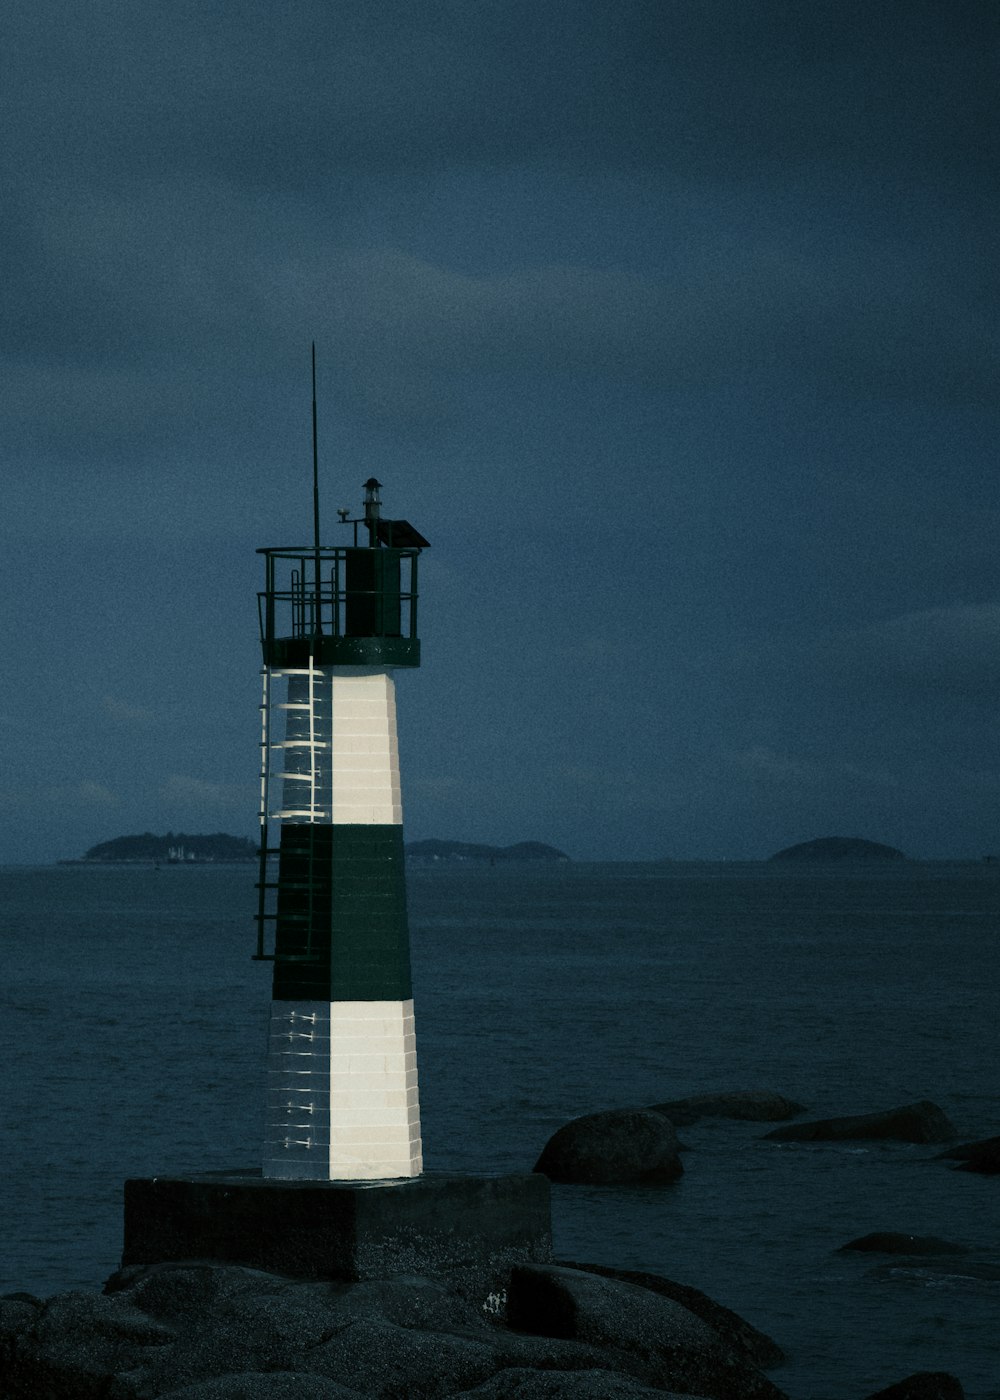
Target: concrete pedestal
[{"x": 340, "y": 1230}]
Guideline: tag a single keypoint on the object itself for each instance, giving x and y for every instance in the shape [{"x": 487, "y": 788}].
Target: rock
[
  {"x": 889, "y": 1242},
  {"x": 410, "y": 1301},
  {"x": 915, "y": 1122},
  {"x": 533, "y": 1351},
  {"x": 982, "y": 1156},
  {"x": 923, "y": 1385},
  {"x": 749, "y": 1105},
  {"x": 756, "y": 1346},
  {"x": 265, "y": 1385},
  {"x": 206, "y": 1331},
  {"x": 614, "y": 1147},
  {"x": 519, "y": 1384},
  {"x": 178, "y": 1290},
  {"x": 18, "y": 1313},
  {"x": 655, "y": 1339},
  {"x": 238, "y": 1320},
  {"x": 74, "y": 1344},
  {"x": 379, "y": 1359},
  {"x": 372, "y": 1338}
]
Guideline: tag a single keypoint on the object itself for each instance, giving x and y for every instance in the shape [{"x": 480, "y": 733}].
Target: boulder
[
  {"x": 923, "y": 1385},
  {"x": 652, "y": 1337},
  {"x": 625, "y": 1145},
  {"x": 982, "y": 1156},
  {"x": 749, "y": 1105},
  {"x": 756, "y": 1347},
  {"x": 890, "y": 1242},
  {"x": 238, "y": 1320},
  {"x": 914, "y": 1122},
  {"x": 265, "y": 1385},
  {"x": 214, "y": 1330},
  {"x": 177, "y": 1290},
  {"x": 382, "y": 1360},
  {"x": 18, "y": 1314},
  {"x": 381, "y": 1337},
  {"x": 206, "y": 1331},
  {"x": 73, "y": 1345}
]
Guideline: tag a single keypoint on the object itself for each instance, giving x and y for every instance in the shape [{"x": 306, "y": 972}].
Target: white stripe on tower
[
  {"x": 365, "y": 750},
  {"x": 374, "y": 1105}
]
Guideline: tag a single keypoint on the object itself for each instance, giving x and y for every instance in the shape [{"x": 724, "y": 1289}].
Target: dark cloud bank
[{"x": 672, "y": 326}]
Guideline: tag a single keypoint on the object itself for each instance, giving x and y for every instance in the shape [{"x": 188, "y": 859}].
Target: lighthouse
[
  {"x": 339, "y": 1190},
  {"x": 342, "y": 1099}
]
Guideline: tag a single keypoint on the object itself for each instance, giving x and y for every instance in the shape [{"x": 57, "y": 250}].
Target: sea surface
[{"x": 132, "y": 1039}]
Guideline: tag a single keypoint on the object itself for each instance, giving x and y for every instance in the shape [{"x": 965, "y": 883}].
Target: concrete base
[{"x": 340, "y": 1229}]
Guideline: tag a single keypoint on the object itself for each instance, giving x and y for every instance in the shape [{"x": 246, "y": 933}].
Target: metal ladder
[{"x": 267, "y": 890}]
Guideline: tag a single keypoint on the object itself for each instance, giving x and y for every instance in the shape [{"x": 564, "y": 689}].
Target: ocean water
[{"x": 132, "y": 1034}]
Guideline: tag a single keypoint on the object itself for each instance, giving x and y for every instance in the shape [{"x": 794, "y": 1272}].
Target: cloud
[
  {"x": 951, "y": 650},
  {"x": 85, "y": 794},
  {"x": 616, "y": 288},
  {"x": 833, "y": 774},
  {"x": 187, "y": 192},
  {"x": 761, "y": 762},
  {"x": 291, "y": 96},
  {"x": 442, "y": 789},
  {"x": 129, "y": 716},
  {"x": 92, "y": 794},
  {"x": 183, "y": 790},
  {"x": 870, "y": 319}
]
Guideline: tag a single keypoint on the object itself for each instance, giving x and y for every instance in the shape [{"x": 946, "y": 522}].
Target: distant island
[
  {"x": 839, "y": 848},
  {"x": 176, "y": 848},
  {"x": 454, "y": 851},
  {"x": 180, "y": 848}
]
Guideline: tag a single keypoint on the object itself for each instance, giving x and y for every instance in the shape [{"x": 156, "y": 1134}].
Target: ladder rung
[{"x": 285, "y": 957}]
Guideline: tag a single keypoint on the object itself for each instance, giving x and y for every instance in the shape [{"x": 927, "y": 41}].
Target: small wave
[{"x": 955, "y": 1276}]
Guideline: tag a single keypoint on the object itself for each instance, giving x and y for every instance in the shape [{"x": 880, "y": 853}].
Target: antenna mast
[{"x": 318, "y": 615}]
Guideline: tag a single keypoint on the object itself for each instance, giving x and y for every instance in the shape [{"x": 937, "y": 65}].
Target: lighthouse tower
[
  {"x": 335, "y": 623},
  {"x": 340, "y": 1192}
]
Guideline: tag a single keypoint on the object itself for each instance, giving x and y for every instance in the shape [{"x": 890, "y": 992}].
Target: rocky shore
[
  {"x": 207, "y": 1329},
  {"x": 197, "y": 1330}
]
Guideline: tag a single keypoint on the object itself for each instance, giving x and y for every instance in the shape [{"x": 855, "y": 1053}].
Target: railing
[{"x": 338, "y": 592}]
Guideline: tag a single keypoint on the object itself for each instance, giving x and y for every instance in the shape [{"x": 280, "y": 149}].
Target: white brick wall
[
  {"x": 365, "y": 751},
  {"x": 342, "y": 1100}
]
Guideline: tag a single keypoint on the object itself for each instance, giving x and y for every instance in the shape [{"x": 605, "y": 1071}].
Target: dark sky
[{"x": 671, "y": 325}]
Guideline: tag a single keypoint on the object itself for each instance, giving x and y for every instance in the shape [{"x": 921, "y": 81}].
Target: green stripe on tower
[{"x": 342, "y": 932}]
